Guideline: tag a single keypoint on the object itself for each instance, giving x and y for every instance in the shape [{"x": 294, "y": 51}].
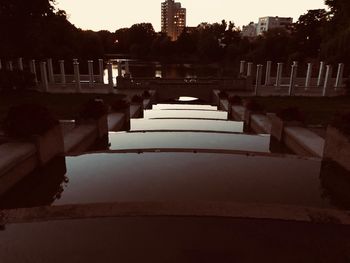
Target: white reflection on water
[
  {"x": 183, "y": 124},
  {"x": 185, "y": 114},
  {"x": 189, "y": 140}
]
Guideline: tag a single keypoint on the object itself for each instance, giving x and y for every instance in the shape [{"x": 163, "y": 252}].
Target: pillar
[
  {"x": 127, "y": 68},
  {"x": 327, "y": 81},
  {"x": 110, "y": 77},
  {"x": 20, "y": 64},
  {"x": 258, "y": 78},
  {"x": 50, "y": 71},
  {"x": 10, "y": 65},
  {"x": 340, "y": 73},
  {"x": 308, "y": 76},
  {"x": 242, "y": 67},
  {"x": 279, "y": 75},
  {"x": 320, "y": 74},
  {"x": 62, "y": 72},
  {"x": 43, "y": 73},
  {"x": 249, "y": 69},
  {"x": 91, "y": 72},
  {"x": 120, "y": 69},
  {"x": 293, "y": 76},
  {"x": 32, "y": 68},
  {"x": 101, "y": 70},
  {"x": 268, "y": 73},
  {"x": 77, "y": 76}
]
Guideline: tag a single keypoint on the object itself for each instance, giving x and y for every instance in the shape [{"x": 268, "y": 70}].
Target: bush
[
  {"x": 119, "y": 104},
  {"x": 291, "y": 114},
  {"x": 27, "y": 120},
  {"x": 137, "y": 99},
  {"x": 252, "y": 105},
  {"x": 16, "y": 80},
  {"x": 223, "y": 95},
  {"x": 235, "y": 100},
  {"x": 93, "y": 109},
  {"x": 342, "y": 123}
]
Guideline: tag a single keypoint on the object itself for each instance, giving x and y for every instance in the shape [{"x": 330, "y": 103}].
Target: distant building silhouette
[
  {"x": 269, "y": 22},
  {"x": 250, "y": 30},
  {"x": 173, "y": 19}
]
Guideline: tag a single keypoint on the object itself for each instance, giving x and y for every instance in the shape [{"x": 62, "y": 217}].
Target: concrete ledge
[
  {"x": 238, "y": 112},
  {"x": 116, "y": 121},
  {"x": 80, "y": 138},
  {"x": 17, "y": 160},
  {"x": 260, "y": 123},
  {"x": 337, "y": 147},
  {"x": 135, "y": 111},
  {"x": 229, "y": 210},
  {"x": 303, "y": 141}
]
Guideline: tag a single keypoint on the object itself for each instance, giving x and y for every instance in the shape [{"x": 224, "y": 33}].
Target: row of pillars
[
  {"x": 47, "y": 72},
  {"x": 323, "y": 80}
]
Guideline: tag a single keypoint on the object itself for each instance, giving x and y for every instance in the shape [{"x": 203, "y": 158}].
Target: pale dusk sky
[{"x": 115, "y": 14}]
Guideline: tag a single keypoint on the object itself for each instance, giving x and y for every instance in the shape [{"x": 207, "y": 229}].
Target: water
[{"x": 184, "y": 160}]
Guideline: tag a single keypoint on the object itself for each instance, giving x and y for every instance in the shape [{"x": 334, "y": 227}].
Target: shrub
[
  {"x": 137, "y": 99},
  {"x": 27, "y": 120},
  {"x": 291, "y": 114},
  {"x": 223, "y": 94},
  {"x": 93, "y": 109},
  {"x": 252, "y": 105},
  {"x": 119, "y": 104},
  {"x": 235, "y": 100},
  {"x": 342, "y": 123}
]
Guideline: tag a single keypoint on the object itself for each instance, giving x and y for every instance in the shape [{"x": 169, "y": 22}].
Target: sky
[{"x": 114, "y": 14}]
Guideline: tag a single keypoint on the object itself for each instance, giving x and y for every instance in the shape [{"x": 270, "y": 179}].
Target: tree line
[{"x": 38, "y": 29}]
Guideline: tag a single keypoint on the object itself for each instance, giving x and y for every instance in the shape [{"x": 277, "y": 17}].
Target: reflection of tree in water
[
  {"x": 41, "y": 188},
  {"x": 335, "y": 182}
]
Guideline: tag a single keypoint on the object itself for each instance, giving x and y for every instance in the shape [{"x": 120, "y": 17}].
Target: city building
[
  {"x": 173, "y": 19},
  {"x": 267, "y": 23},
  {"x": 250, "y": 30}
]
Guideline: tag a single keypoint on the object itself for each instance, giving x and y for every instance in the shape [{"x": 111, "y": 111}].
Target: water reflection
[
  {"x": 184, "y": 107},
  {"x": 187, "y": 125},
  {"x": 41, "y": 188},
  {"x": 189, "y": 140},
  {"x": 185, "y": 114}
]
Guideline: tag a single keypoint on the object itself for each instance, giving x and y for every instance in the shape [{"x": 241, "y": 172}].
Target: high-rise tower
[{"x": 173, "y": 19}]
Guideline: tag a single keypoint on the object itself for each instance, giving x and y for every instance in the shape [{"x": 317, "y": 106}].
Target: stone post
[
  {"x": 268, "y": 73},
  {"x": 43, "y": 73},
  {"x": 91, "y": 73},
  {"x": 279, "y": 75},
  {"x": 32, "y": 68},
  {"x": 327, "y": 81},
  {"x": 120, "y": 69},
  {"x": 75, "y": 60},
  {"x": 101, "y": 70},
  {"x": 63, "y": 72},
  {"x": 50, "y": 70},
  {"x": 110, "y": 77},
  {"x": 242, "y": 67},
  {"x": 20, "y": 64},
  {"x": 308, "y": 76},
  {"x": 258, "y": 78},
  {"x": 77, "y": 76},
  {"x": 10, "y": 65},
  {"x": 293, "y": 76},
  {"x": 340, "y": 73},
  {"x": 320, "y": 74},
  {"x": 249, "y": 69},
  {"x": 127, "y": 68}
]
